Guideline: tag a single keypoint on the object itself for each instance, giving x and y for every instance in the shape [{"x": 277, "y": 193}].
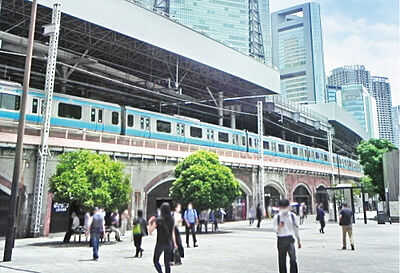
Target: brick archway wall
[{"x": 311, "y": 181}]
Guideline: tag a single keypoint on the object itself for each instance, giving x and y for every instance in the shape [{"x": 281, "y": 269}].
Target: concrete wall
[{"x": 391, "y": 174}]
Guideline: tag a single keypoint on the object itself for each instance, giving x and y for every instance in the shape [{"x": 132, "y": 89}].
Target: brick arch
[{"x": 159, "y": 179}]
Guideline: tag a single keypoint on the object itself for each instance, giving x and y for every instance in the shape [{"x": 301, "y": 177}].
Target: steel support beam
[{"x": 44, "y": 148}]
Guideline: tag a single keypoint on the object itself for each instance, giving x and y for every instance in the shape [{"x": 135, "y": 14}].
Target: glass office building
[
  {"x": 297, "y": 51},
  {"x": 356, "y": 100},
  {"x": 226, "y": 21}
]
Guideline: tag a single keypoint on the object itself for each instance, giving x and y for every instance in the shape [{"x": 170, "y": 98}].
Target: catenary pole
[{"x": 9, "y": 244}]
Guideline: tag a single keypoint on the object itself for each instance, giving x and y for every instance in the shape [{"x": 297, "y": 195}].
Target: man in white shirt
[{"x": 286, "y": 228}]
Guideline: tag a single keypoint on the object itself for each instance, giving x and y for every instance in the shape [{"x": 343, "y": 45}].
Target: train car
[{"x": 93, "y": 115}]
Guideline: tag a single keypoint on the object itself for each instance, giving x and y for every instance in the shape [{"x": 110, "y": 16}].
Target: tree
[
  {"x": 204, "y": 181},
  {"x": 370, "y": 154},
  {"x": 88, "y": 179}
]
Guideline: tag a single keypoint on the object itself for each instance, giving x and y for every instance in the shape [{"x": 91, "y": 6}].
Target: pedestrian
[
  {"x": 203, "y": 220},
  {"x": 179, "y": 252},
  {"x": 286, "y": 227},
  {"x": 96, "y": 230},
  {"x": 114, "y": 225},
  {"x": 305, "y": 210},
  {"x": 346, "y": 221},
  {"x": 191, "y": 220},
  {"x": 258, "y": 215},
  {"x": 269, "y": 210},
  {"x": 139, "y": 230},
  {"x": 165, "y": 237},
  {"x": 72, "y": 228},
  {"x": 252, "y": 215},
  {"x": 214, "y": 220},
  {"x": 301, "y": 213},
  {"x": 124, "y": 221},
  {"x": 321, "y": 217}
]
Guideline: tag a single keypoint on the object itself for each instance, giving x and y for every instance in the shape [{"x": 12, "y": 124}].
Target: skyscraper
[
  {"x": 396, "y": 124},
  {"x": 356, "y": 100},
  {"x": 352, "y": 74},
  {"x": 297, "y": 51},
  {"x": 383, "y": 97},
  {"x": 241, "y": 24}
]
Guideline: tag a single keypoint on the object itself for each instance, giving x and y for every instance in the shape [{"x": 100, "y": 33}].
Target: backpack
[
  {"x": 292, "y": 216},
  {"x": 137, "y": 229}
]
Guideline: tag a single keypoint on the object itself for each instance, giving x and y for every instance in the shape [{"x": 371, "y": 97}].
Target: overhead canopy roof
[{"x": 127, "y": 43}]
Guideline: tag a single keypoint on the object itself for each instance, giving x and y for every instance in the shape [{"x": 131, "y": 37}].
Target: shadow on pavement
[
  {"x": 59, "y": 244},
  {"x": 18, "y": 269}
]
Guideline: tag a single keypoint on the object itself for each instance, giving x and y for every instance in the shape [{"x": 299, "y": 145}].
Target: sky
[{"x": 359, "y": 32}]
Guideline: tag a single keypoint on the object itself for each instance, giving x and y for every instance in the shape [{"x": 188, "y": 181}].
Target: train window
[
  {"x": 93, "y": 115},
  {"x": 223, "y": 137},
  {"x": 250, "y": 142},
  {"x": 273, "y": 146},
  {"x": 210, "y": 134},
  {"x": 69, "y": 111},
  {"x": 266, "y": 145},
  {"x": 196, "y": 132},
  {"x": 281, "y": 148},
  {"x": 130, "y": 120},
  {"x": 114, "y": 118},
  {"x": 326, "y": 157},
  {"x": 35, "y": 105},
  {"x": 243, "y": 140},
  {"x": 163, "y": 126},
  {"x": 180, "y": 129},
  {"x": 295, "y": 150},
  {"x": 10, "y": 102},
  {"x": 316, "y": 155},
  {"x": 100, "y": 116}
]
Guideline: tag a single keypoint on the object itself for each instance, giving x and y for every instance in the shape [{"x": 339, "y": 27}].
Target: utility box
[{"x": 381, "y": 217}]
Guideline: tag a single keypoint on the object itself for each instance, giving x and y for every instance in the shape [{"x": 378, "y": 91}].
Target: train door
[
  {"x": 180, "y": 132},
  {"x": 37, "y": 109},
  {"x": 145, "y": 126},
  {"x": 210, "y": 137},
  {"x": 97, "y": 118}
]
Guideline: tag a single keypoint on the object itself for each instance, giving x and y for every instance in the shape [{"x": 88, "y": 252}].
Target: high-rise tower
[{"x": 297, "y": 51}]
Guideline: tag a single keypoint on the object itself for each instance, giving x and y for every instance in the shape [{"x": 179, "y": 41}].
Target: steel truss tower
[
  {"x": 53, "y": 31},
  {"x": 256, "y": 44},
  {"x": 161, "y": 6}
]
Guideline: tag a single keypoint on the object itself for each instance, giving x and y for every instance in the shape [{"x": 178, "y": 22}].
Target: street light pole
[{"x": 20, "y": 141}]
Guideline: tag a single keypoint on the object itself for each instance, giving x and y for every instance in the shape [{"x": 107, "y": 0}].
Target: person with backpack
[
  {"x": 346, "y": 222},
  {"x": 96, "y": 231},
  {"x": 287, "y": 229},
  {"x": 166, "y": 240},
  {"x": 191, "y": 219},
  {"x": 139, "y": 230}
]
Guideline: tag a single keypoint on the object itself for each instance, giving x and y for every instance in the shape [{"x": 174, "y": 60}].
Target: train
[{"x": 93, "y": 115}]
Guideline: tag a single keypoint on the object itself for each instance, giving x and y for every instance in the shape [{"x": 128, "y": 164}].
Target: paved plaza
[{"x": 238, "y": 248}]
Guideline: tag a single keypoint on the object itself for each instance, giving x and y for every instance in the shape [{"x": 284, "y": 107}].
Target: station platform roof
[{"x": 117, "y": 50}]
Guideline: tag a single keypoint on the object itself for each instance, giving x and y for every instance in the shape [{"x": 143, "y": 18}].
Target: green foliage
[
  {"x": 89, "y": 179},
  {"x": 202, "y": 180},
  {"x": 370, "y": 154}
]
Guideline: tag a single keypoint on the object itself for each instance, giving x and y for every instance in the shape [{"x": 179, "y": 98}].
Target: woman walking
[
  {"x": 165, "y": 237},
  {"x": 321, "y": 217},
  {"x": 139, "y": 230}
]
